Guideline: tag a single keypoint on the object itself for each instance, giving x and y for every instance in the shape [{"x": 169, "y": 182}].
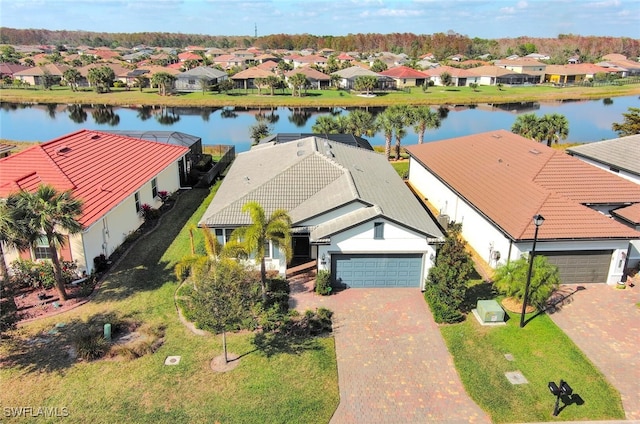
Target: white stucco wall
[
  {"x": 360, "y": 239},
  {"x": 484, "y": 237}
]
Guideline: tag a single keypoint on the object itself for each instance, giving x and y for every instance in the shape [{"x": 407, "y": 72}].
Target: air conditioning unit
[
  {"x": 490, "y": 311},
  {"x": 443, "y": 221}
]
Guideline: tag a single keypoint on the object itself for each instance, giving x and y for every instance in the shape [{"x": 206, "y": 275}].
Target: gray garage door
[
  {"x": 377, "y": 270},
  {"x": 589, "y": 266}
]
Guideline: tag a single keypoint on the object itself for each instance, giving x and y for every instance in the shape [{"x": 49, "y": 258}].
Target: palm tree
[
  {"x": 72, "y": 76},
  {"x": 555, "y": 127},
  {"x": 361, "y": 123},
  {"x": 164, "y": 81},
  {"x": 255, "y": 238},
  {"x": 325, "y": 125},
  {"x": 298, "y": 81},
  {"x": 424, "y": 118},
  {"x": 527, "y": 126},
  {"x": 401, "y": 117},
  {"x": 385, "y": 123},
  {"x": 50, "y": 212}
]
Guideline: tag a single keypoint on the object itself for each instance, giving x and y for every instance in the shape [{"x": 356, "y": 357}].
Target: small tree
[
  {"x": 474, "y": 86},
  {"x": 225, "y": 298},
  {"x": 510, "y": 279},
  {"x": 447, "y": 282},
  {"x": 446, "y": 79},
  {"x": 258, "y": 131},
  {"x": 630, "y": 124}
]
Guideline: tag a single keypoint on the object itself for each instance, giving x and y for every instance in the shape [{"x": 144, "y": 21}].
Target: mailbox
[
  {"x": 554, "y": 389},
  {"x": 565, "y": 389}
]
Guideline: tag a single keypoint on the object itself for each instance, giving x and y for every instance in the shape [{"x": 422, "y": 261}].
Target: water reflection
[{"x": 589, "y": 120}]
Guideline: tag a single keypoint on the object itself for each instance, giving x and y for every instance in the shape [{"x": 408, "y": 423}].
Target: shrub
[
  {"x": 323, "y": 282},
  {"x": 90, "y": 345},
  {"x": 37, "y": 274},
  {"x": 510, "y": 279},
  {"x": 100, "y": 263},
  {"x": 442, "y": 312}
]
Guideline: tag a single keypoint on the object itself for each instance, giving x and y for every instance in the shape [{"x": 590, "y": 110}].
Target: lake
[{"x": 589, "y": 120}]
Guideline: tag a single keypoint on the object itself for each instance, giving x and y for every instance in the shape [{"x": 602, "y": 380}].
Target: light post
[{"x": 537, "y": 220}]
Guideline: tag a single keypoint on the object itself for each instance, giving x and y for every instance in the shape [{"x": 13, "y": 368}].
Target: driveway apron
[
  {"x": 393, "y": 365},
  {"x": 605, "y": 324}
]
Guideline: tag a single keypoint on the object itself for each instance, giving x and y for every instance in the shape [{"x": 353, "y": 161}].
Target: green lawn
[
  {"x": 316, "y": 98},
  {"x": 543, "y": 353},
  {"x": 288, "y": 385}
]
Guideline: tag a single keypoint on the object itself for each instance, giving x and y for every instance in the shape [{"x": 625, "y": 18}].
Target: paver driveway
[
  {"x": 605, "y": 324},
  {"x": 393, "y": 365}
]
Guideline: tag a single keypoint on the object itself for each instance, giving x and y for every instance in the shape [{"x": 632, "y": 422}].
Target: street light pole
[{"x": 537, "y": 220}]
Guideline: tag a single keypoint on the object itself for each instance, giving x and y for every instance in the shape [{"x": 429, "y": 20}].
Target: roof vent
[
  {"x": 63, "y": 150},
  {"x": 300, "y": 153},
  {"x": 95, "y": 137},
  {"x": 330, "y": 153},
  {"x": 496, "y": 136},
  {"x": 534, "y": 152}
]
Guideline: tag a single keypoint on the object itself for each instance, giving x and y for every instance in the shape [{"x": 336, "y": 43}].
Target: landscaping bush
[
  {"x": 323, "y": 282},
  {"x": 442, "y": 312},
  {"x": 100, "y": 263},
  {"x": 39, "y": 274},
  {"x": 278, "y": 294},
  {"x": 90, "y": 344},
  {"x": 510, "y": 279}
]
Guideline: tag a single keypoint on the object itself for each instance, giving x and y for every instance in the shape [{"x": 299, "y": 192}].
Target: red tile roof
[
  {"x": 629, "y": 213},
  {"x": 510, "y": 179},
  {"x": 404, "y": 72},
  {"x": 454, "y": 72},
  {"x": 102, "y": 169}
]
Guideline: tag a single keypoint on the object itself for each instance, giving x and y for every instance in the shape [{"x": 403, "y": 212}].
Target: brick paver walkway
[
  {"x": 393, "y": 365},
  {"x": 605, "y": 324}
]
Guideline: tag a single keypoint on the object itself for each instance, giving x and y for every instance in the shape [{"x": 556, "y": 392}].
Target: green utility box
[{"x": 490, "y": 311}]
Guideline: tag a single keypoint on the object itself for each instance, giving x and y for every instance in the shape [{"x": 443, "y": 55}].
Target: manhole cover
[
  {"x": 172, "y": 360},
  {"x": 515, "y": 377}
]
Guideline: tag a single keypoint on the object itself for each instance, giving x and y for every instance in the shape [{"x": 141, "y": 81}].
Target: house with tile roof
[
  {"x": 620, "y": 156},
  {"x": 405, "y": 76},
  {"x": 191, "y": 80},
  {"x": 350, "y": 211},
  {"x": 246, "y": 79},
  {"x": 35, "y": 75},
  {"x": 317, "y": 80},
  {"x": 113, "y": 175},
  {"x": 495, "y": 182},
  {"x": 459, "y": 77},
  {"x": 534, "y": 69},
  {"x": 349, "y": 76}
]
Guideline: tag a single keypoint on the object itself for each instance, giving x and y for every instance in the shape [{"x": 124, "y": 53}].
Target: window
[
  {"x": 378, "y": 230},
  {"x": 41, "y": 249},
  {"x": 192, "y": 82},
  {"x": 154, "y": 188},
  {"x": 220, "y": 235},
  {"x": 136, "y": 197}
]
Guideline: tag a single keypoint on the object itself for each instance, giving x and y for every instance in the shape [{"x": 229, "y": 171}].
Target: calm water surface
[{"x": 589, "y": 120}]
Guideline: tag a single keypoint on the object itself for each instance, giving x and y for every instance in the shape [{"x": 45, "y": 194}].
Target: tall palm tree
[
  {"x": 401, "y": 117},
  {"x": 255, "y": 238},
  {"x": 555, "y": 127},
  {"x": 164, "y": 82},
  {"x": 424, "y": 118},
  {"x": 11, "y": 235},
  {"x": 55, "y": 214},
  {"x": 385, "y": 123},
  {"x": 325, "y": 125}
]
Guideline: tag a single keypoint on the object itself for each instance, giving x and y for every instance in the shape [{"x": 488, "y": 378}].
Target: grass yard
[
  {"x": 543, "y": 353},
  {"x": 293, "y": 384},
  {"x": 317, "y": 98}
]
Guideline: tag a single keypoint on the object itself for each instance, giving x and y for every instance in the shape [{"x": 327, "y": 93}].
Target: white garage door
[{"x": 377, "y": 270}]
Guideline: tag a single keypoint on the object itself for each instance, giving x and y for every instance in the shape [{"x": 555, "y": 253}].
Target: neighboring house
[
  {"x": 537, "y": 56},
  {"x": 459, "y": 77},
  {"x": 495, "y": 182},
  {"x": 34, "y": 76},
  {"x": 348, "y": 139},
  {"x": 121, "y": 73},
  {"x": 228, "y": 61},
  {"x": 5, "y": 149},
  {"x": 350, "y": 211},
  {"x": 185, "y": 56},
  {"x": 312, "y": 59},
  {"x": 492, "y": 75},
  {"x": 317, "y": 80},
  {"x": 246, "y": 79},
  {"x": 112, "y": 175},
  {"x": 620, "y": 156},
  {"x": 9, "y": 69},
  {"x": 191, "y": 80},
  {"x": 534, "y": 69},
  {"x": 349, "y": 76},
  {"x": 405, "y": 76},
  {"x": 572, "y": 74}
]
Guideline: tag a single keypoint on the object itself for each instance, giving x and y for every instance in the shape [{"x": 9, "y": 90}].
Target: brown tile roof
[
  {"x": 309, "y": 73},
  {"x": 490, "y": 70},
  {"x": 254, "y": 72},
  {"x": 510, "y": 178},
  {"x": 629, "y": 213},
  {"x": 454, "y": 72}
]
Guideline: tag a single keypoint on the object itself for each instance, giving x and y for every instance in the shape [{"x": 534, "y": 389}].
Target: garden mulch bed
[{"x": 30, "y": 306}]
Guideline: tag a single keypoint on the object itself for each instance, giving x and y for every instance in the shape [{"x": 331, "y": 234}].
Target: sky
[{"x": 474, "y": 18}]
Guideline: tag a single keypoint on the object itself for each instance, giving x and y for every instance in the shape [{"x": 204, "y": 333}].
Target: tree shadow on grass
[
  {"x": 140, "y": 268},
  {"x": 270, "y": 344},
  {"x": 480, "y": 291},
  {"x": 53, "y": 349}
]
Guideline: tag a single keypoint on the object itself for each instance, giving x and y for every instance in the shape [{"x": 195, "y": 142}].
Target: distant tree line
[{"x": 441, "y": 45}]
